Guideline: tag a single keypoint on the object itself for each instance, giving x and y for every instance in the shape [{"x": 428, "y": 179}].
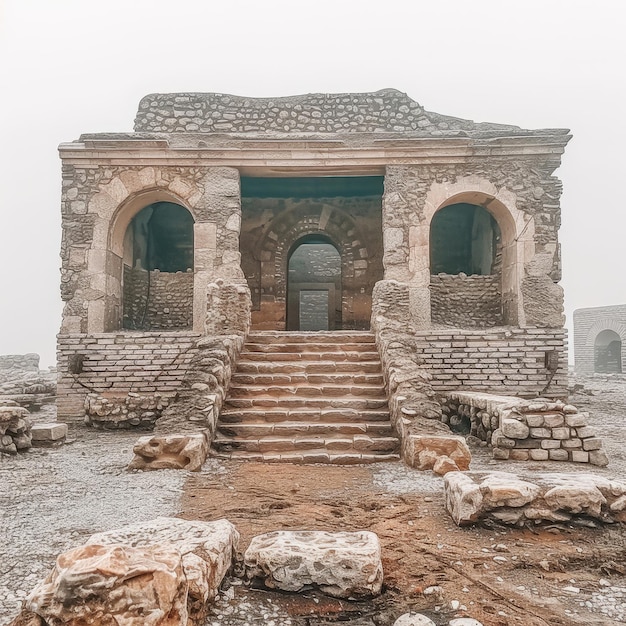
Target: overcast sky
[{"x": 74, "y": 66}]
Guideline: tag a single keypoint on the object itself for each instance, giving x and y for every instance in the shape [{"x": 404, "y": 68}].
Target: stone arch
[
  {"x": 340, "y": 228},
  {"x": 608, "y": 352},
  {"x": 516, "y": 227}
]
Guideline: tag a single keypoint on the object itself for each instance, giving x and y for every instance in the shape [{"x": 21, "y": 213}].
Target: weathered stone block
[
  {"x": 344, "y": 565},
  {"x": 464, "y": 499},
  {"x": 170, "y": 452},
  {"x": 422, "y": 451},
  {"x": 514, "y": 429},
  {"x": 49, "y": 432},
  {"x": 561, "y": 433}
]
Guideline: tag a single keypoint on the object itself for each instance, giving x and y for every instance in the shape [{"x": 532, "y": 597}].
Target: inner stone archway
[
  {"x": 314, "y": 285},
  {"x": 608, "y": 353}
]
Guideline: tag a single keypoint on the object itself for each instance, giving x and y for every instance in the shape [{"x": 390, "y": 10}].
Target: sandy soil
[{"x": 559, "y": 574}]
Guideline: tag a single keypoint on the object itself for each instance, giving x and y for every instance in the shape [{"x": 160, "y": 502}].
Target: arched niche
[
  {"x": 157, "y": 279},
  {"x": 511, "y": 233},
  {"x": 314, "y": 288},
  {"x": 150, "y": 264},
  {"x": 607, "y": 353}
]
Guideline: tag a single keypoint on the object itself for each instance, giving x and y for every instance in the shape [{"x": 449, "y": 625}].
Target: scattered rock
[{"x": 413, "y": 619}]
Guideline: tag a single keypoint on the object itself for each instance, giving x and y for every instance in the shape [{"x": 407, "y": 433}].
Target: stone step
[
  {"x": 282, "y": 357},
  {"x": 310, "y": 456},
  {"x": 251, "y": 429},
  {"x": 263, "y": 366},
  {"x": 304, "y": 415},
  {"x": 276, "y": 443},
  {"x": 308, "y": 348},
  {"x": 283, "y": 337},
  {"x": 301, "y": 378},
  {"x": 350, "y": 402},
  {"x": 307, "y": 391}
]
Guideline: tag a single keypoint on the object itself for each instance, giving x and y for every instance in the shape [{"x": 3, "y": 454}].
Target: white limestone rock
[
  {"x": 514, "y": 429},
  {"x": 423, "y": 451},
  {"x": 462, "y": 497},
  {"x": 342, "y": 564},
  {"x": 413, "y": 619},
  {"x": 116, "y": 584},
  {"x": 207, "y": 548},
  {"x": 170, "y": 452},
  {"x": 501, "y": 489}
]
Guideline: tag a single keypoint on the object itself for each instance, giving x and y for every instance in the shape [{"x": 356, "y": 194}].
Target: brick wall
[
  {"x": 116, "y": 364},
  {"x": 526, "y": 362},
  {"x": 464, "y": 301}
]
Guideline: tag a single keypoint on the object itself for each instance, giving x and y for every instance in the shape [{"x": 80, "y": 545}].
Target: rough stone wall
[
  {"x": 387, "y": 110},
  {"x": 464, "y": 301},
  {"x": 525, "y": 185},
  {"x": 228, "y": 309},
  {"x": 157, "y": 300},
  {"x": 588, "y": 324},
  {"x": 272, "y": 225},
  {"x": 526, "y": 362},
  {"x": 114, "y": 365},
  {"x": 14, "y": 365},
  {"x": 537, "y": 430},
  {"x": 22, "y": 382}
]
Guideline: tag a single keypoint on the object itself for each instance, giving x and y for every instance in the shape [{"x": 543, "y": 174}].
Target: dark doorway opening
[
  {"x": 608, "y": 353},
  {"x": 314, "y": 285}
]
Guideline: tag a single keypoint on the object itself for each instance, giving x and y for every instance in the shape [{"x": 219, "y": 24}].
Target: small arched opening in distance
[
  {"x": 157, "y": 283},
  {"x": 466, "y": 267},
  {"x": 607, "y": 353},
  {"x": 314, "y": 293}
]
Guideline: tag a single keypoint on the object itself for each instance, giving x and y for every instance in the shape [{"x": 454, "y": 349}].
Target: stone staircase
[{"x": 316, "y": 397}]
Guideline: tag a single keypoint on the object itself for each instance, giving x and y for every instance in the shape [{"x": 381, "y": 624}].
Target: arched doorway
[
  {"x": 607, "y": 353},
  {"x": 466, "y": 267},
  {"x": 314, "y": 285},
  {"x": 157, "y": 282}
]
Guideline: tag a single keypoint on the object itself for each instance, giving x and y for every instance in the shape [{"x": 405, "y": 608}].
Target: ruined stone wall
[
  {"x": 271, "y": 226},
  {"x": 158, "y": 300},
  {"x": 14, "y": 365},
  {"x": 525, "y": 362},
  {"x": 113, "y": 365},
  {"x": 588, "y": 324},
  {"x": 386, "y": 110},
  {"x": 464, "y": 301},
  {"x": 522, "y": 195}
]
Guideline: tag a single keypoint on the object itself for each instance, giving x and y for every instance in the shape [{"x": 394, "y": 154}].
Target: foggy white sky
[{"x": 74, "y": 66}]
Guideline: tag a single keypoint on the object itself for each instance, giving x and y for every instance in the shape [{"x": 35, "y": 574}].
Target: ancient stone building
[
  {"x": 223, "y": 215},
  {"x": 600, "y": 340}
]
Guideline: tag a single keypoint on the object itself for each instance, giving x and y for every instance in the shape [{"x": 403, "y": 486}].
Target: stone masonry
[{"x": 160, "y": 306}]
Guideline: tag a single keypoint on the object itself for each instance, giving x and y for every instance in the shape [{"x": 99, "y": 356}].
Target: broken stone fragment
[
  {"x": 49, "y": 432},
  {"x": 422, "y": 451},
  {"x": 118, "y": 584},
  {"x": 443, "y": 465},
  {"x": 413, "y": 619},
  {"x": 170, "y": 452},
  {"x": 342, "y": 564},
  {"x": 463, "y": 498}
]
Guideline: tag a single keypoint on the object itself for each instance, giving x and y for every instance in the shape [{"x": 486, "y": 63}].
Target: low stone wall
[
  {"x": 12, "y": 365},
  {"x": 157, "y": 300},
  {"x": 463, "y": 301},
  {"x": 526, "y": 362},
  {"x": 113, "y": 365},
  {"x": 510, "y": 499},
  {"x": 522, "y": 430},
  {"x": 23, "y": 382},
  {"x": 132, "y": 410}
]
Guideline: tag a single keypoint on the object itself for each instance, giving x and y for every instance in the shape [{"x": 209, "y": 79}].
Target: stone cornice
[{"x": 296, "y": 156}]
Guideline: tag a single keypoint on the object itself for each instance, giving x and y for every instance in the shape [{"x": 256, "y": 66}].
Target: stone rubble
[
  {"x": 341, "y": 564},
  {"x": 509, "y": 499},
  {"x": 15, "y": 427},
  {"x": 170, "y": 452},
  {"x": 22, "y": 381}
]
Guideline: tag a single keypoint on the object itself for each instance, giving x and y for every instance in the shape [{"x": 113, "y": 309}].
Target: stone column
[{"x": 405, "y": 239}]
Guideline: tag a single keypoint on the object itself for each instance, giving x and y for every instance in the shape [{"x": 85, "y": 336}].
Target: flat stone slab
[
  {"x": 48, "y": 433},
  {"x": 511, "y": 499},
  {"x": 342, "y": 564},
  {"x": 187, "y": 452}
]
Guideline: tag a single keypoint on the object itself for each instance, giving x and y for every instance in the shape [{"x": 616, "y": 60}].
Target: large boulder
[
  {"x": 177, "y": 564},
  {"x": 423, "y": 451},
  {"x": 114, "y": 584},
  {"x": 170, "y": 452},
  {"x": 342, "y": 564}
]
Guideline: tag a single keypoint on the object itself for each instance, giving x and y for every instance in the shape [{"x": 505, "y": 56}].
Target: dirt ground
[{"x": 557, "y": 574}]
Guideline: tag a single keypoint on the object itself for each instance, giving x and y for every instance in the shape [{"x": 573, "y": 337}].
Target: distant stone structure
[
  {"x": 220, "y": 215},
  {"x": 600, "y": 340}
]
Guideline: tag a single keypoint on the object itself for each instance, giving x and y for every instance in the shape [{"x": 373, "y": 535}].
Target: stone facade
[
  {"x": 148, "y": 300},
  {"x": 600, "y": 340}
]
